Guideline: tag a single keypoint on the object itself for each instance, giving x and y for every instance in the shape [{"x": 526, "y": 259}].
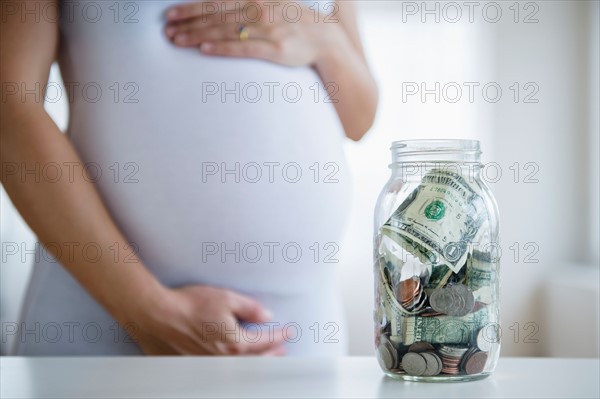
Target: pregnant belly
[
  {"x": 214, "y": 167},
  {"x": 250, "y": 196}
]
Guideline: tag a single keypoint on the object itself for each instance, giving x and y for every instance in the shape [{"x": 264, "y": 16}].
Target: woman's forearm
[
  {"x": 67, "y": 213},
  {"x": 356, "y": 97}
]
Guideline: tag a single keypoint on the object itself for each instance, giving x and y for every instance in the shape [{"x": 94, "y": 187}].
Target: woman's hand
[
  {"x": 294, "y": 35},
  {"x": 288, "y": 33},
  {"x": 203, "y": 320}
]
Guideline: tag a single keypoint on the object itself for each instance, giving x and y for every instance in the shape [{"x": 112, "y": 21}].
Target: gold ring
[{"x": 244, "y": 33}]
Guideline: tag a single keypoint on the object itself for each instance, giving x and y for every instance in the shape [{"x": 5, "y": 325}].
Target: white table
[{"x": 71, "y": 377}]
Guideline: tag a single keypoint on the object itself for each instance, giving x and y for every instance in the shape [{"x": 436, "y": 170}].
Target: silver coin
[
  {"x": 385, "y": 357},
  {"x": 467, "y": 299},
  {"x": 394, "y": 352},
  {"x": 386, "y": 340},
  {"x": 486, "y": 337},
  {"x": 453, "y": 351},
  {"x": 414, "y": 364},
  {"x": 439, "y": 361},
  {"x": 458, "y": 304},
  {"x": 431, "y": 363},
  {"x": 442, "y": 300}
]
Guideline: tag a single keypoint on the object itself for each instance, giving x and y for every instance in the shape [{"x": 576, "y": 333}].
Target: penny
[
  {"x": 476, "y": 363},
  {"x": 414, "y": 364},
  {"x": 407, "y": 289},
  {"x": 421, "y": 347}
]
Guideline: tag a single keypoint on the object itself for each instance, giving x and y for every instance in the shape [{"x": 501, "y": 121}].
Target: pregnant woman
[{"x": 196, "y": 203}]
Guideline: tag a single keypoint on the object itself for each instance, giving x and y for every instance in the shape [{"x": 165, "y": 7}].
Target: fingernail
[
  {"x": 173, "y": 13},
  {"x": 208, "y": 47},
  {"x": 170, "y": 31},
  {"x": 181, "y": 39},
  {"x": 266, "y": 313}
]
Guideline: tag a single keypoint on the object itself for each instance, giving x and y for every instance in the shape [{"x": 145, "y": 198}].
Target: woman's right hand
[{"x": 204, "y": 320}]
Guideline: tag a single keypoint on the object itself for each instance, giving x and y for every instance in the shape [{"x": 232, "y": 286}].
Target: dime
[
  {"x": 414, "y": 364},
  {"x": 476, "y": 363},
  {"x": 432, "y": 364},
  {"x": 420, "y": 346}
]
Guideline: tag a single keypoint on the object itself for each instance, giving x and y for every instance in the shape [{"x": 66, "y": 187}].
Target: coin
[
  {"x": 414, "y": 364},
  {"x": 476, "y": 363},
  {"x": 485, "y": 338},
  {"x": 421, "y": 347},
  {"x": 442, "y": 299},
  {"x": 432, "y": 364},
  {"x": 466, "y": 297},
  {"x": 386, "y": 358},
  {"x": 439, "y": 361},
  {"x": 458, "y": 305},
  {"x": 411, "y": 295}
]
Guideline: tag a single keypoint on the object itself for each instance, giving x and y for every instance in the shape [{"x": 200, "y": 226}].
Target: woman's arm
[
  {"x": 343, "y": 62},
  {"x": 68, "y": 211},
  {"x": 333, "y": 47}
]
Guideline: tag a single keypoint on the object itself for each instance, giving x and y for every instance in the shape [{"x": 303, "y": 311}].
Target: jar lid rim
[{"x": 419, "y": 145}]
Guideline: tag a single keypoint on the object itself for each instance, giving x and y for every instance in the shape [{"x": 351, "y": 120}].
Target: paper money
[
  {"x": 442, "y": 214},
  {"x": 481, "y": 271},
  {"x": 415, "y": 249},
  {"x": 444, "y": 329},
  {"x": 439, "y": 276}
]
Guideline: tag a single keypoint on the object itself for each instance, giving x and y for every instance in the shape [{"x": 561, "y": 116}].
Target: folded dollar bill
[{"x": 438, "y": 220}]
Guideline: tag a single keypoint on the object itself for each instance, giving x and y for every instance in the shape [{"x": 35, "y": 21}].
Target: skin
[
  {"x": 331, "y": 45},
  {"x": 162, "y": 320}
]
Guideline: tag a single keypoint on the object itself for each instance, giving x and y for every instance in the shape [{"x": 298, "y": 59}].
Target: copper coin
[
  {"x": 421, "y": 347},
  {"x": 476, "y": 363},
  {"x": 407, "y": 289}
]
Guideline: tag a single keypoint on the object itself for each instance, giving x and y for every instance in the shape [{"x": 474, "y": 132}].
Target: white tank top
[{"x": 227, "y": 172}]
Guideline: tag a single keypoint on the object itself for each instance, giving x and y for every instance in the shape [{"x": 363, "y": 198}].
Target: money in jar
[{"x": 436, "y": 264}]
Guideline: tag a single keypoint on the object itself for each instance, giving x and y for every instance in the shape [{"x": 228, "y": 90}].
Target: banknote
[
  {"x": 481, "y": 271},
  {"x": 444, "y": 329},
  {"x": 442, "y": 214}
]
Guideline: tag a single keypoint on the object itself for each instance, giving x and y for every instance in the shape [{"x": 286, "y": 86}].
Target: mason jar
[{"x": 436, "y": 264}]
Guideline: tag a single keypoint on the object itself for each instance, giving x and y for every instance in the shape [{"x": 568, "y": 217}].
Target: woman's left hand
[{"x": 284, "y": 33}]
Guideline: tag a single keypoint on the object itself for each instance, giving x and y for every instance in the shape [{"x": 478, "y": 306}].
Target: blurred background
[{"x": 522, "y": 77}]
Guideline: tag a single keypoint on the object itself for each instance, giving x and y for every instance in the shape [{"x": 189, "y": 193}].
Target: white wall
[
  {"x": 405, "y": 52},
  {"x": 559, "y": 214},
  {"x": 554, "y": 213}
]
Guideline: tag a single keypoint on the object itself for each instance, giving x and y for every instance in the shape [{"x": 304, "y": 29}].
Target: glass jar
[{"x": 436, "y": 264}]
